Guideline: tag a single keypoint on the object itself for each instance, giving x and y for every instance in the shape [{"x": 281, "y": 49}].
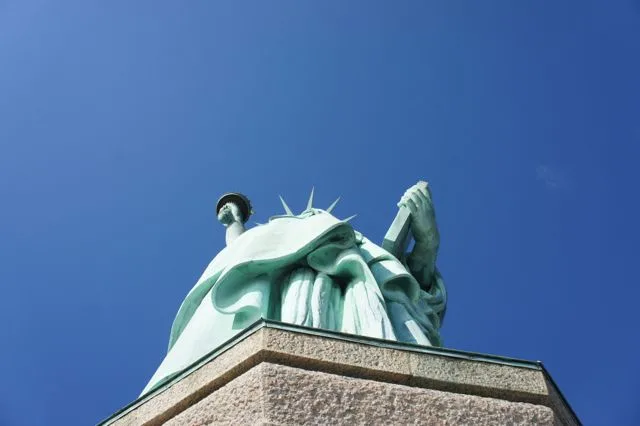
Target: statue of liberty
[{"x": 313, "y": 270}]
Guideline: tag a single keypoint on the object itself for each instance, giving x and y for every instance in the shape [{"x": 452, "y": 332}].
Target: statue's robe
[{"x": 314, "y": 271}]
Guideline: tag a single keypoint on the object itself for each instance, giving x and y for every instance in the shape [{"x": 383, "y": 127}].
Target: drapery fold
[{"x": 314, "y": 271}]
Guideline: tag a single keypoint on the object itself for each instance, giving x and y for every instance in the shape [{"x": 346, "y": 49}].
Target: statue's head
[
  {"x": 308, "y": 212},
  {"x": 303, "y": 215}
]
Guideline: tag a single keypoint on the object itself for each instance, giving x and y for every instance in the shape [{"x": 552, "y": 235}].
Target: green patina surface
[{"x": 314, "y": 270}]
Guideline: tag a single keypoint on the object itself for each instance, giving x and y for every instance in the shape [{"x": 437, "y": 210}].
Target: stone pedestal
[{"x": 275, "y": 373}]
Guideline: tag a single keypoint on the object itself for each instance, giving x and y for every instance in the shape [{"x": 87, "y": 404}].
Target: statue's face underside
[{"x": 305, "y": 214}]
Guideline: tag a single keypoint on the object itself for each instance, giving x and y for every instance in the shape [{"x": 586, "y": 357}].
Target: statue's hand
[
  {"x": 229, "y": 213},
  {"x": 423, "y": 220}
]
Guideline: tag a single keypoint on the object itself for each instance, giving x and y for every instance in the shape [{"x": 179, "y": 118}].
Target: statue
[{"x": 313, "y": 270}]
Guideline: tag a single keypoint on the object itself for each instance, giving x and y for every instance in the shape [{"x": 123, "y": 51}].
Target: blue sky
[{"x": 121, "y": 123}]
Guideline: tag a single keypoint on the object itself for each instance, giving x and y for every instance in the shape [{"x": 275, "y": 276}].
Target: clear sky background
[{"x": 122, "y": 122}]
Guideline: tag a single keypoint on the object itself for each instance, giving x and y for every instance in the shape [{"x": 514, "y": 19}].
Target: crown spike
[
  {"x": 310, "y": 202},
  {"x": 349, "y": 218},
  {"x": 286, "y": 207},
  {"x": 333, "y": 205}
]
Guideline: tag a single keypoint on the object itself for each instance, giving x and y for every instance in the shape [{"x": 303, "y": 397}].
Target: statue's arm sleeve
[{"x": 421, "y": 262}]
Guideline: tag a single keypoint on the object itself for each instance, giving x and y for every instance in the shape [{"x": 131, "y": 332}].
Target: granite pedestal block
[{"x": 276, "y": 374}]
